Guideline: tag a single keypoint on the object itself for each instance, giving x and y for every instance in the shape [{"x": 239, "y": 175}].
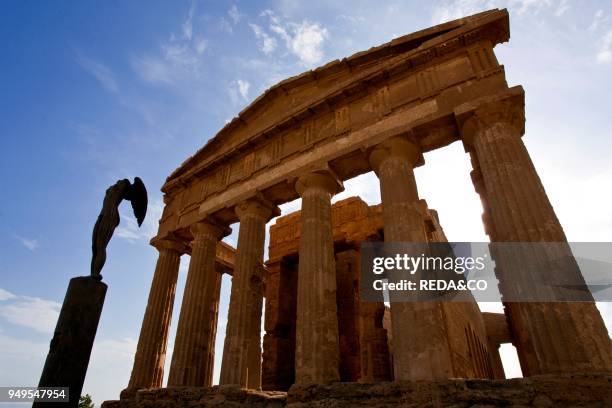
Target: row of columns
[{"x": 554, "y": 337}]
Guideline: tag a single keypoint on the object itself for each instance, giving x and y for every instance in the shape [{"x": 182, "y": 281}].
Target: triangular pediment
[{"x": 287, "y": 102}]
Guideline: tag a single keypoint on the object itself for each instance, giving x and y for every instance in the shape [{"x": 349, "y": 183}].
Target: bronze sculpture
[{"x": 108, "y": 219}]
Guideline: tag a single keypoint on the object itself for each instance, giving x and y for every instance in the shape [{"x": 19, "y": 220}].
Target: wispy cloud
[
  {"x": 265, "y": 42},
  {"x": 32, "y": 312},
  {"x": 451, "y": 10},
  {"x": 6, "y": 295},
  {"x": 303, "y": 39},
  {"x": 100, "y": 72},
  {"x": 30, "y": 243},
  {"x": 234, "y": 14},
  {"x": 179, "y": 58},
  {"x": 239, "y": 91},
  {"x": 128, "y": 228},
  {"x": 604, "y": 55},
  {"x": 599, "y": 19},
  {"x": 188, "y": 24}
]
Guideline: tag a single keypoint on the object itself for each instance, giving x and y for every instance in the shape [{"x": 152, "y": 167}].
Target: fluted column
[
  {"x": 420, "y": 344},
  {"x": 255, "y": 353},
  {"x": 214, "y": 318},
  {"x": 244, "y": 321},
  {"x": 553, "y": 337},
  {"x": 190, "y": 359},
  {"x": 317, "y": 349},
  {"x": 148, "y": 370}
]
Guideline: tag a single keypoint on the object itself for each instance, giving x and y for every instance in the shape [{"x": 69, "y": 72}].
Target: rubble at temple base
[{"x": 579, "y": 390}]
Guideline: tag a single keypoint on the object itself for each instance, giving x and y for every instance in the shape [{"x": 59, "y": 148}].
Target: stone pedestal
[
  {"x": 242, "y": 337},
  {"x": 190, "y": 360},
  {"x": 148, "y": 370},
  {"x": 550, "y": 337},
  {"x": 70, "y": 349},
  {"x": 420, "y": 344},
  {"x": 317, "y": 350}
]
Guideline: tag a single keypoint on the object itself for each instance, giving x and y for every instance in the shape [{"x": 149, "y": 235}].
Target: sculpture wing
[{"x": 139, "y": 200}]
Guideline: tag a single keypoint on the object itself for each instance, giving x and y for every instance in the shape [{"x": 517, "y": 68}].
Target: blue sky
[{"x": 92, "y": 92}]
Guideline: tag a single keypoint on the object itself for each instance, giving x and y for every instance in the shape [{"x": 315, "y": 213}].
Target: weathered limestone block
[
  {"x": 373, "y": 342},
  {"x": 278, "y": 367},
  {"x": 420, "y": 349},
  {"x": 316, "y": 351},
  {"x": 347, "y": 300},
  {"x": 244, "y": 316},
  {"x": 190, "y": 359},
  {"x": 148, "y": 370},
  {"x": 587, "y": 391},
  {"x": 550, "y": 337}
]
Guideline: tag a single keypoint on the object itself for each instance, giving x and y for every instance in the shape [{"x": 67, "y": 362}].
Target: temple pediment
[
  {"x": 318, "y": 90},
  {"x": 331, "y": 117}
]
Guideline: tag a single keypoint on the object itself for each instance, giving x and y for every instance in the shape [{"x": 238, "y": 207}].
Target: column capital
[
  {"x": 257, "y": 206},
  {"x": 208, "y": 228},
  {"x": 396, "y": 147},
  {"x": 170, "y": 244},
  {"x": 508, "y": 111},
  {"x": 325, "y": 180}
]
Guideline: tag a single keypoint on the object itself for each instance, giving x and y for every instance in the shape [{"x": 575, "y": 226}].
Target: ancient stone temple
[{"x": 378, "y": 110}]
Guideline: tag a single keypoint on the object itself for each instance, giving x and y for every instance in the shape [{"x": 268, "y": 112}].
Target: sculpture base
[
  {"x": 68, "y": 358},
  {"x": 584, "y": 390}
]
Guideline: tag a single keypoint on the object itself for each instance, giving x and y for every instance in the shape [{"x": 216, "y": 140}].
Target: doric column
[
  {"x": 254, "y": 353},
  {"x": 420, "y": 344},
  {"x": 317, "y": 350},
  {"x": 551, "y": 337},
  {"x": 148, "y": 370},
  {"x": 244, "y": 320},
  {"x": 214, "y": 318},
  {"x": 190, "y": 359}
]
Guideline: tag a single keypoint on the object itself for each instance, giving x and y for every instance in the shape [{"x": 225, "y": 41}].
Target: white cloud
[
  {"x": 234, "y": 14},
  {"x": 32, "y": 312},
  {"x": 109, "y": 370},
  {"x": 30, "y": 243},
  {"x": 179, "y": 58},
  {"x": 604, "y": 55},
  {"x": 6, "y": 295},
  {"x": 22, "y": 359},
  {"x": 128, "y": 228},
  {"x": 266, "y": 43},
  {"x": 152, "y": 69},
  {"x": 562, "y": 8},
  {"x": 201, "y": 46},
  {"x": 100, "y": 72},
  {"x": 599, "y": 19},
  {"x": 243, "y": 88},
  {"x": 188, "y": 24},
  {"x": 304, "y": 40},
  {"x": 239, "y": 91},
  {"x": 454, "y": 9},
  {"x": 307, "y": 42}
]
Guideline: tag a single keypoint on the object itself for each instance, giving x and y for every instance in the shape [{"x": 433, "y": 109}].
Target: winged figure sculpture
[{"x": 108, "y": 219}]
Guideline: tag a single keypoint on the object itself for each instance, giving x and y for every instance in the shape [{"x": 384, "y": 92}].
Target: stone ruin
[{"x": 378, "y": 110}]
